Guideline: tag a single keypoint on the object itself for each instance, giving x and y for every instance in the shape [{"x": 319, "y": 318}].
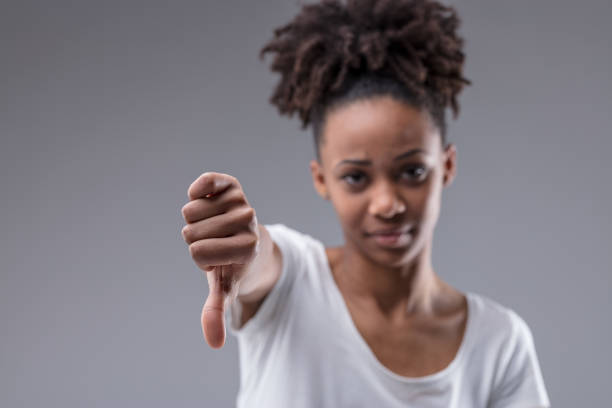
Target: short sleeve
[
  {"x": 521, "y": 384},
  {"x": 291, "y": 245}
]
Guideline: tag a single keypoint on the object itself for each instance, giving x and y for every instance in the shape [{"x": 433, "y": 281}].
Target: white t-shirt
[{"x": 302, "y": 349}]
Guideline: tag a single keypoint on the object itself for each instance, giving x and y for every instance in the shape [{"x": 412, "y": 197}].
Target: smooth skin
[
  {"x": 412, "y": 320},
  {"x": 225, "y": 241},
  {"x": 383, "y": 166}
]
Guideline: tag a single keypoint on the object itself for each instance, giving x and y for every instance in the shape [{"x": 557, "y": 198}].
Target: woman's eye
[
  {"x": 417, "y": 172},
  {"x": 353, "y": 178}
]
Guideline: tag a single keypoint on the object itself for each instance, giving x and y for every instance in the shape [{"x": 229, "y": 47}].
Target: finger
[
  {"x": 237, "y": 249},
  {"x": 202, "y": 208},
  {"x": 210, "y": 184},
  {"x": 219, "y": 226},
  {"x": 213, "y": 312}
]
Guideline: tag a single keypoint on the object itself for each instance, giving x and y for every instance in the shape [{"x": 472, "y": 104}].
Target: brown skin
[
  {"x": 236, "y": 252},
  {"x": 412, "y": 320}
]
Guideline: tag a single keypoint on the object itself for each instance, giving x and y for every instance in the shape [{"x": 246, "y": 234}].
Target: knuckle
[
  {"x": 242, "y": 216},
  {"x": 209, "y": 174},
  {"x": 249, "y": 213},
  {"x": 245, "y": 248},
  {"x": 251, "y": 242},
  {"x": 236, "y": 183},
  {"x": 191, "y": 192},
  {"x": 241, "y": 198},
  {"x": 192, "y": 251},
  {"x": 185, "y": 211},
  {"x": 235, "y": 199},
  {"x": 196, "y": 251},
  {"x": 186, "y": 233}
]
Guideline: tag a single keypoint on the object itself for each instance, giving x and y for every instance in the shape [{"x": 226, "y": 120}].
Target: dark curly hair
[{"x": 334, "y": 53}]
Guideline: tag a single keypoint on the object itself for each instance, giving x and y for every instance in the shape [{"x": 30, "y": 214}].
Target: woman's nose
[{"x": 386, "y": 203}]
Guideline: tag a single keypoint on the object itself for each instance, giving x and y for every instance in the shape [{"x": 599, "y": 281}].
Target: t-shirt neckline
[{"x": 363, "y": 345}]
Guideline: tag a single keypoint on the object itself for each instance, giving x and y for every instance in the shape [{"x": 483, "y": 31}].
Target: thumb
[{"x": 213, "y": 319}]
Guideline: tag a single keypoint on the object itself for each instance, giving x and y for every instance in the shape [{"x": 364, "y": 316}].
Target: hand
[{"x": 223, "y": 240}]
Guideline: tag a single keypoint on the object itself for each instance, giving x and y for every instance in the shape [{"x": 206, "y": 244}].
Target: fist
[{"x": 222, "y": 234}]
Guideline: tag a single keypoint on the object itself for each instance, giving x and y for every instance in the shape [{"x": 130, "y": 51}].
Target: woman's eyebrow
[
  {"x": 409, "y": 153},
  {"x": 368, "y": 162}
]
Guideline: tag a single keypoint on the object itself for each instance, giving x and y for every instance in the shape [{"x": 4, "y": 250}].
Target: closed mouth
[{"x": 391, "y": 231}]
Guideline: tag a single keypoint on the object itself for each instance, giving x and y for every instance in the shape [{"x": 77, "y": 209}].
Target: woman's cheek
[{"x": 350, "y": 213}]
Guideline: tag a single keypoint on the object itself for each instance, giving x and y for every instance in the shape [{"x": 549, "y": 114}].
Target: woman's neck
[{"x": 401, "y": 292}]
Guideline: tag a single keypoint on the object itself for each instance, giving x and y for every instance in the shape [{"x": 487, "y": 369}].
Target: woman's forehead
[
  {"x": 382, "y": 146},
  {"x": 380, "y": 124}
]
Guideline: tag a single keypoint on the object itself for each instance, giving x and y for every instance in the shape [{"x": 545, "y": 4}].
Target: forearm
[{"x": 263, "y": 272}]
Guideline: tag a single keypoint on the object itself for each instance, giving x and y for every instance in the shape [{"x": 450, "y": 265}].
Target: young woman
[{"x": 369, "y": 323}]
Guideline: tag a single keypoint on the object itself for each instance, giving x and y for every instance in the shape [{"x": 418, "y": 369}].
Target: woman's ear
[
  {"x": 318, "y": 179},
  {"x": 450, "y": 164}
]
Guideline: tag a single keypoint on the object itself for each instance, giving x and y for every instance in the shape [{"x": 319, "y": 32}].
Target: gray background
[{"x": 110, "y": 109}]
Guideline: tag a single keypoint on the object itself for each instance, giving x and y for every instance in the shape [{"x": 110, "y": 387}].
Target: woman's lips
[{"x": 392, "y": 240}]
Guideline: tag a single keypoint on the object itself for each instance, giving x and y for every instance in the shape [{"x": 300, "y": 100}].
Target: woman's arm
[{"x": 261, "y": 276}]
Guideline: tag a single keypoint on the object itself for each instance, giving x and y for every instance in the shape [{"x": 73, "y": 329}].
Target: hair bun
[{"x": 412, "y": 41}]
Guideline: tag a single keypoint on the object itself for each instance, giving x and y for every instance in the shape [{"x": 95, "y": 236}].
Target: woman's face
[{"x": 383, "y": 168}]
